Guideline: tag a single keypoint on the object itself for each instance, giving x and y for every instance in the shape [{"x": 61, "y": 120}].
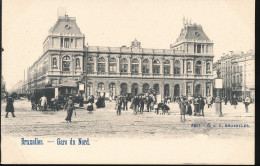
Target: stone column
[
  {"x": 161, "y": 66},
  {"x": 181, "y": 66},
  {"x": 107, "y": 64},
  {"x": 118, "y": 88},
  {"x": 118, "y": 64},
  {"x": 171, "y": 66},
  {"x": 195, "y": 48},
  {"x": 161, "y": 86},
  {"x": 185, "y": 66},
  {"x": 129, "y": 87},
  {"x": 151, "y": 66},
  {"x": 95, "y": 58},
  {"x": 129, "y": 59},
  {"x": 191, "y": 88},
  {"x": 140, "y": 59}
]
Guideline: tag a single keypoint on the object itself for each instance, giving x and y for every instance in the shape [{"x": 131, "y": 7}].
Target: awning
[{"x": 69, "y": 83}]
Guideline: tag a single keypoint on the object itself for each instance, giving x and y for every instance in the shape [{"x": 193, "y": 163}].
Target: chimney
[
  {"x": 231, "y": 52},
  {"x": 66, "y": 17}
]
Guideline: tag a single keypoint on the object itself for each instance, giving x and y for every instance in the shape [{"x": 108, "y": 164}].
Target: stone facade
[
  {"x": 185, "y": 68},
  {"x": 238, "y": 73}
]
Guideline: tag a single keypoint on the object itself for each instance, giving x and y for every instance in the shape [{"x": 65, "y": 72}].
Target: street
[{"x": 106, "y": 123}]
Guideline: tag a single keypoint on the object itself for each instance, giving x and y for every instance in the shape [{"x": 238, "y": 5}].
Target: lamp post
[{"x": 218, "y": 101}]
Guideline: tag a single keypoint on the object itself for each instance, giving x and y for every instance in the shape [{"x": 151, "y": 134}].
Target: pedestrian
[
  {"x": 125, "y": 102},
  {"x": 182, "y": 109},
  {"x": 201, "y": 105},
  {"x": 43, "y": 103},
  {"x": 119, "y": 103},
  {"x": 247, "y": 102},
  {"x": 196, "y": 106},
  {"x": 208, "y": 100},
  {"x": 9, "y": 106},
  {"x": 189, "y": 109},
  {"x": 141, "y": 104},
  {"x": 33, "y": 102},
  {"x": 234, "y": 101},
  {"x": 69, "y": 106},
  {"x": 226, "y": 100}
]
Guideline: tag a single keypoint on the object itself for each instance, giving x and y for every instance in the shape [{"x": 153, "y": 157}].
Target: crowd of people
[{"x": 139, "y": 103}]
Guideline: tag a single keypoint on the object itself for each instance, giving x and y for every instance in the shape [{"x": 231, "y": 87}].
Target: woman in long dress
[
  {"x": 9, "y": 106},
  {"x": 182, "y": 109},
  {"x": 189, "y": 110},
  {"x": 69, "y": 106}
]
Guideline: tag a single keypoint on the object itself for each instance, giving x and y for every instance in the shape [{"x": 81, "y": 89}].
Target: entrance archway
[
  {"x": 177, "y": 90},
  {"x": 145, "y": 88},
  {"x": 123, "y": 87},
  {"x": 134, "y": 89},
  {"x": 198, "y": 90},
  {"x": 166, "y": 90},
  {"x": 156, "y": 89}
]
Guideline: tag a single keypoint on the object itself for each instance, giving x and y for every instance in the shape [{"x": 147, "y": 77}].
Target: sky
[{"x": 230, "y": 24}]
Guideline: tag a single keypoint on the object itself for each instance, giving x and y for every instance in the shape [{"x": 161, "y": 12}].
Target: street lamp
[{"x": 218, "y": 101}]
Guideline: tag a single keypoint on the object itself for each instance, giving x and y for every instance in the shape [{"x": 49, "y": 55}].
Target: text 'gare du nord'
[{"x": 185, "y": 68}]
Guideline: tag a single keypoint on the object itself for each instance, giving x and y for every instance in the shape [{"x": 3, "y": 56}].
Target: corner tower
[{"x": 193, "y": 40}]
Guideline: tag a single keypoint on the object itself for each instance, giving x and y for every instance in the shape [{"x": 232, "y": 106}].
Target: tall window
[
  {"x": 66, "y": 42},
  {"x": 188, "y": 67},
  {"x": 112, "y": 89},
  {"x": 145, "y": 66},
  {"x": 166, "y": 67},
  {"x": 112, "y": 65},
  {"x": 237, "y": 68},
  {"x": 124, "y": 65},
  {"x": 66, "y": 63},
  {"x": 208, "y": 68},
  {"x": 77, "y": 63},
  {"x": 135, "y": 66},
  {"x": 89, "y": 89},
  {"x": 101, "y": 86},
  {"x": 177, "y": 67},
  {"x": 101, "y": 65},
  {"x": 156, "y": 66},
  {"x": 54, "y": 62},
  {"x": 90, "y": 65},
  {"x": 198, "y": 68}
]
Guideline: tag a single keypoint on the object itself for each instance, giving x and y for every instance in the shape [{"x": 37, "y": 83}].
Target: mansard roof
[
  {"x": 65, "y": 25},
  {"x": 192, "y": 32}
]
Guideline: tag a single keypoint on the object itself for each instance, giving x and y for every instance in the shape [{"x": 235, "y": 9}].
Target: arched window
[
  {"x": 124, "y": 65},
  {"x": 177, "y": 67},
  {"x": 145, "y": 88},
  {"x": 77, "y": 63},
  {"x": 101, "y": 65},
  {"x": 112, "y": 89},
  {"x": 66, "y": 63},
  {"x": 90, "y": 65},
  {"x": 101, "y": 86},
  {"x": 54, "y": 62},
  {"x": 208, "y": 67},
  {"x": 166, "y": 67},
  {"x": 145, "y": 66},
  {"x": 135, "y": 66},
  {"x": 112, "y": 65},
  {"x": 198, "y": 68},
  {"x": 89, "y": 89},
  {"x": 156, "y": 66},
  {"x": 189, "y": 67}
]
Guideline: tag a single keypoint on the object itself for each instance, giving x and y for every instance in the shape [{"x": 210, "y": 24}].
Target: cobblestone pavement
[{"x": 106, "y": 123}]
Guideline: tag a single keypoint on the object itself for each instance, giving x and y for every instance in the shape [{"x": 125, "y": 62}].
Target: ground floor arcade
[{"x": 166, "y": 87}]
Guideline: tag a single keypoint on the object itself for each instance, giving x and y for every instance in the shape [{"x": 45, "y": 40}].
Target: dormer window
[{"x": 67, "y": 27}]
